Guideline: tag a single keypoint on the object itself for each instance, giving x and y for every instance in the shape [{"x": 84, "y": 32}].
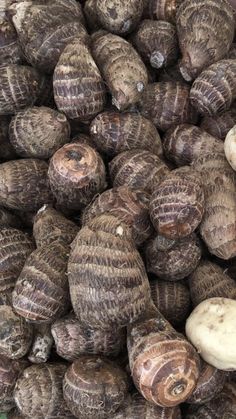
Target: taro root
[
  {"x": 15, "y": 334},
  {"x": 210, "y": 383},
  {"x": 156, "y": 42},
  {"x": 122, "y": 69},
  {"x": 214, "y": 409},
  {"x": 15, "y": 247},
  {"x": 163, "y": 244},
  {"x": 176, "y": 263},
  {"x": 41, "y": 291},
  {"x": 24, "y": 184},
  {"x": 214, "y": 89},
  {"x": 218, "y": 227},
  {"x": 9, "y": 372},
  {"x": 94, "y": 387},
  {"x": 115, "y": 132},
  {"x": 163, "y": 9},
  {"x": 90, "y": 12},
  {"x": 84, "y": 139},
  {"x": 209, "y": 280},
  {"x": 138, "y": 169},
  {"x": 107, "y": 278},
  {"x": 72, "y": 339},
  {"x": 10, "y": 52},
  {"x": 131, "y": 207},
  {"x": 42, "y": 344},
  {"x": 172, "y": 299},
  {"x": 79, "y": 90},
  {"x": 164, "y": 365},
  {"x": 45, "y": 30},
  {"x": 120, "y": 17},
  {"x": 136, "y": 407},
  {"x": 167, "y": 104},
  {"x": 38, "y": 393},
  {"x": 177, "y": 205},
  {"x": 230, "y": 147},
  {"x": 219, "y": 125},
  {"x": 50, "y": 225},
  {"x": 205, "y": 32},
  {"x": 7, "y": 152},
  {"x": 20, "y": 87},
  {"x": 38, "y": 132},
  {"x": 184, "y": 143},
  {"x": 76, "y": 173}
]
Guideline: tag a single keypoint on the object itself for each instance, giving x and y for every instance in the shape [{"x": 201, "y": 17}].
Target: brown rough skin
[
  {"x": 72, "y": 339},
  {"x": 210, "y": 383},
  {"x": 123, "y": 70},
  {"x": 119, "y": 17},
  {"x": 38, "y": 392},
  {"x": 79, "y": 90},
  {"x": 177, "y": 205},
  {"x": 15, "y": 247},
  {"x": 131, "y": 207},
  {"x": 172, "y": 299},
  {"x": 10, "y": 52},
  {"x": 107, "y": 278},
  {"x": 136, "y": 407},
  {"x": 24, "y": 184},
  {"x": 229, "y": 396},
  {"x": 184, "y": 143},
  {"x": 9, "y": 372},
  {"x": 7, "y": 152},
  {"x": 209, "y": 280},
  {"x": 41, "y": 291},
  {"x": 219, "y": 125},
  {"x": 42, "y": 344},
  {"x": 214, "y": 89},
  {"x": 15, "y": 334},
  {"x": 171, "y": 73},
  {"x": 138, "y": 169},
  {"x": 38, "y": 132},
  {"x": 50, "y": 225},
  {"x": 21, "y": 86},
  {"x": 176, "y": 263},
  {"x": 76, "y": 173},
  {"x": 164, "y": 366},
  {"x": 8, "y": 219},
  {"x": 84, "y": 139},
  {"x": 218, "y": 227},
  {"x": 156, "y": 42},
  {"x": 90, "y": 12},
  {"x": 163, "y": 9},
  {"x": 45, "y": 30},
  {"x": 163, "y": 244},
  {"x": 167, "y": 104},
  {"x": 200, "y": 40},
  {"x": 94, "y": 387},
  {"x": 214, "y": 409},
  {"x": 115, "y": 132}
]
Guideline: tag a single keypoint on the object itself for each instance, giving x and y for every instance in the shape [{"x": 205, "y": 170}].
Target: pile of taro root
[{"x": 117, "y": 209}]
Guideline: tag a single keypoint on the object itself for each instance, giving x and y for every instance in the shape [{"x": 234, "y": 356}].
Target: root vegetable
[
  {"x": 122, "y": 69},
  {"x": 94, "y": 387},
  {"x": 73, "y": 339},
  {"x": 115, "y": 132},
  {"x": 42, "y": 344},
  {"x": 201, "y": 42},
  {"x": 211, "y": 329},
  {"x": 214, "y": 89},
  {"x": 156, "y": 42},
  {"x": 38, "y": 132},
  {"x": 163, "y": 9},
  {"x": 107, "y": 278},
  {"x": 184, "y": 143},
  {"x": 176, "y": 263},
  {"x": 9, "y": 372},
  {"x": 10, "y": 52},
  {"x": 214, "y": 409},
  {"x": 41, "y": 291},
  {"x": 138, "y": 169},
  {"x": 209, "y": 280},
  {"x": 8, "y": 219},
  {"x": 219, "y": 125},
  {"x": 76, "y": 173},
  {"x": 24, "y": 184},
  {"x": 131, "y": 207},
  {"x": 90, "y": 12},
  {"x": 167, "y": 104},
  {"x": 120, "y": 17},
  {"x": 15, "y": 334},
  {"x": 230, "y": 147}
]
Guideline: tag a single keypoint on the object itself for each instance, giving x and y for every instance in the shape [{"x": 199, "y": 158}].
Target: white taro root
[
  {"x": 230, "y": 147},
  {"x": 211, "y": 328}
]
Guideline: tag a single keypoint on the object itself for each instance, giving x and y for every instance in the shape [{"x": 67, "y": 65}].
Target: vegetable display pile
[{"x": 118, "y": 209}]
